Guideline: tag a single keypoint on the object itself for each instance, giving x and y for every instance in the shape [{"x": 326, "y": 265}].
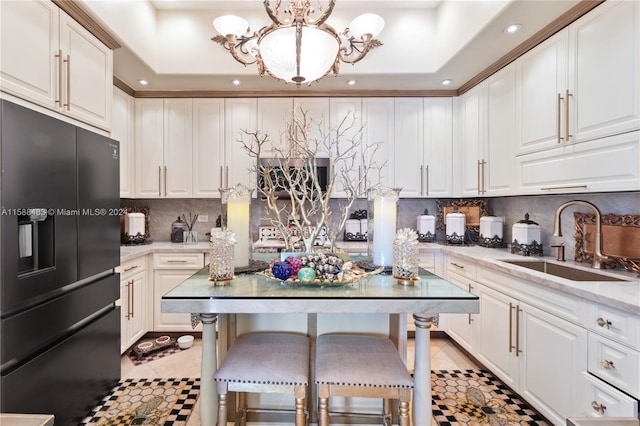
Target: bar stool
[
  {"x": 264, "y": 363},
  {"x": 361, "y": 366}
]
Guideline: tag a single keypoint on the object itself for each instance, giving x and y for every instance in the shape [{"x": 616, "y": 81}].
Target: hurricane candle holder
[
  {"x": 383, "y": 218},
  {"x": 221, "y": 256},
  {"x": 405, "y": 256},
  {"x": 236, "y": 217}
]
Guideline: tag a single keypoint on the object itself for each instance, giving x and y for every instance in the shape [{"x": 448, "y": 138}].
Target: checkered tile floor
[
  {"x": 476, "y": 397},
  {"x": 166, "y": 402}
]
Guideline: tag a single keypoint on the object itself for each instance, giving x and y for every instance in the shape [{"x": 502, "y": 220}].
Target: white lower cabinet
[
  {"x": 169, "y": 270},
  {"x": 565, "y": 356},
  {"x": 133, "y": 301}
]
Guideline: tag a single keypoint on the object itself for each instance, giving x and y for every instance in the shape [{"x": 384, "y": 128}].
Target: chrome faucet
[{"x": 598, "y": 257}]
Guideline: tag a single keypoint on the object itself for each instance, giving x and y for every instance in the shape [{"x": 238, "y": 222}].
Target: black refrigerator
[{"x": 60, "y": 244}]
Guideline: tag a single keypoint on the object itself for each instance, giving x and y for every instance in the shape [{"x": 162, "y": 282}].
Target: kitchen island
[{"x": 377, "y": 294}]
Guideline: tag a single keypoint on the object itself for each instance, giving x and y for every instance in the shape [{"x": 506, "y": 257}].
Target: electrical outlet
[{"x": 203, "y": 218}]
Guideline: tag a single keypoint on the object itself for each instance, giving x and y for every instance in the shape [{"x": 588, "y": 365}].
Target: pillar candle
[
  {"x": 238, "y": 222},
  {"x": 385, "y": 215}
]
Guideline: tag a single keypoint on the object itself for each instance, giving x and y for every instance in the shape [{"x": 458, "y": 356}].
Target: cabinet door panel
[
  {"x": 149, "y": 124},
  {"x": 346, "y": 115},
  {"x": 122, "y": 130},
  {"x": 88, "y": 72},
  {"x": 164, "y": 281},
  {"x": 409, "y": 146},
  {"x": 542, "y": 76},
  {"x": 177, "y": 152},
  {"x": 317, "y": 110},
  {"x": 29, "y": 43},
  {"x": 604, "y": 75},
  {"x": 208, "y": 147},
  {"x": 274, "y": 114},
  {"x": 497, "y": 335},
  {"x": 471, "y": 139},
  {"x": 438, "y": 147},
  {"x": 240, "y": 114},
  {"x": 554, "y": 355},
  {"x": 378, "y": 119}
]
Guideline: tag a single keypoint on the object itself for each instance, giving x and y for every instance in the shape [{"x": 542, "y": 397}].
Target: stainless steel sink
[{"x": 562, "y": 271}]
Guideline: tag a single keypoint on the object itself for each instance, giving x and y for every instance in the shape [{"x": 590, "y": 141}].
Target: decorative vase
[
  {"x": 383, "y": 219},
  {"x": 405, "y": 256},
  {"x": 221, "y": 255}
]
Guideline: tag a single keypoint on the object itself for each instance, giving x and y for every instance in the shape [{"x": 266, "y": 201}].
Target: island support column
[
  {"x": 422, "y": 370},
  {"x": 208, "y": 391}
]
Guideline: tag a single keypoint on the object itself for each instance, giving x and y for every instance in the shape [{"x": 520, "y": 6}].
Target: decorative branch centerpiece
[{"x": 305, "y": 213}]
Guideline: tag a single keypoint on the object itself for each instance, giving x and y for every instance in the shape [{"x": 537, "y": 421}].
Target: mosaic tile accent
[
  {"x": 476, "y": 397},
  {"x": 167, "y": 402}
]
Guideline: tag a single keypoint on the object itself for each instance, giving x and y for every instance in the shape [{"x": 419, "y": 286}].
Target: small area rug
[
  {"x": 166, "y": 402},
  {"x": 476, "y": 397}
]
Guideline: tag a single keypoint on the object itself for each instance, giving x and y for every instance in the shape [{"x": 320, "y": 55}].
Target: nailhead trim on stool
[
  {"x": 265, "y": 363},
  {"x": 361, "y": 366}
]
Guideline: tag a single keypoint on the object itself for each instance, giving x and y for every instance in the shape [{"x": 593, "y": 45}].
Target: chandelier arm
[
  {"x": 345, "y": 54},
  {"x": 273, "y": 16},
  {"x": 325, "y": 15}
]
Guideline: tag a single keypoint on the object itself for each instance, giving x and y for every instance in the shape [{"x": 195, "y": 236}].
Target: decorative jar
[
  {"x": 405, "y": 256},
  {"x": 221, "y": 255}
]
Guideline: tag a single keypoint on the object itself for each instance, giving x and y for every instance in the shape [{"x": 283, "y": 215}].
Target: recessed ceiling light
[
  {"x": 143, "y": 82},
  {"x": 447, "y": 82},
  {"x": 351, "y": 82},
  {"x": 512, "y": 28},
  {"x": 235, "y": 82}
]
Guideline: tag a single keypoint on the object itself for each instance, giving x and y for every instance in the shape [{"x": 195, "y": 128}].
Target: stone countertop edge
[
  {"x": 624, "y": 295},
  {"x": 27, "y": 419},
  {"x": 602, "y": 421}
]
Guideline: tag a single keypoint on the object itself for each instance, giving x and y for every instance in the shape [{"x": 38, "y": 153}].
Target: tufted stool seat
[
  {"x": 361, "y": 366},
  {"x": 264, "y": 363}
]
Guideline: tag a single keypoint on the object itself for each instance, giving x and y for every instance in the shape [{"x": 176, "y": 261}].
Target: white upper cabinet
[
  {"x": 240, "y": 115},
  {"x": 604, "y": 73},
  {"x": 583, "y": 83},
  {"x": 408, "y": 168},
  {"x": 378, "y": 138},
  {"x": 163, "y": 147},
  {"x": 274, "y": 114},
  {"x": 208, "y": 147},
  {"x": 472, "y": 127},
  {"x": 51, "y": 60},
  {"x": 122, "y": 130},
  {"x": 346, "y": 123},
  {"x": 177, "y": 148},
  {"x": 438, "y": 148}
]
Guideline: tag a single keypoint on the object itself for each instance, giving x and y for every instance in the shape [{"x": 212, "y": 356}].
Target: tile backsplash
[{"x": 541, "y": 209}]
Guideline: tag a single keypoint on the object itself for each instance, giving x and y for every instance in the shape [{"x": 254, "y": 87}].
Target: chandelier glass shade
[{"x": 296, "y": 48}]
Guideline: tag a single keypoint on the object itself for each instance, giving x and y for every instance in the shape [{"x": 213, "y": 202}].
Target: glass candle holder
[
  {"x": 221, "y": 256},
  {"x": 189, "y": 237},
  {"x": 236, "y": 217},
  {"x": 383, "y": 219},
  {"x": 405, "y": 256}
]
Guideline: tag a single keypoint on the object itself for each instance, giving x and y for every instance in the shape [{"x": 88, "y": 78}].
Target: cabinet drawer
[
  {"x": 596, "y": 394},
  {"x": 428, "y": 261},
  {"x": 614, "y": 363},
  {"x": 178, "y": 260},
  {"x": 131, "y": 267},
  {"x": 623, "y": 327},
  {"x": 461, "y": 267}
]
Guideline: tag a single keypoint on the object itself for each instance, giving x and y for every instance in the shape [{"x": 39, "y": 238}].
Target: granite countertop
[{"x": 624, "y": 295}]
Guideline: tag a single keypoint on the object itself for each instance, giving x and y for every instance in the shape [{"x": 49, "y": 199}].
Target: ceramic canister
[
  {"x": 526, "y": 231},
  {"x": 426, "y": 223},
  {"x": 491, "y": 226},
  {"x": 455, "y": 227},
  {"x": 134, "y": 223}
]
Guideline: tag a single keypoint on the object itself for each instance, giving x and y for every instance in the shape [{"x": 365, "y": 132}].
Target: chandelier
[{"x": 295, "y": 47}]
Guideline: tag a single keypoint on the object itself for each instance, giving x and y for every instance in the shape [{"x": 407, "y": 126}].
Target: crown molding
[
  {"x": 289, "y": 94},
  {"x": 123, "y": 86},
  {"x": 553, "y": 27},
  {"x": 72, "y": 9}
]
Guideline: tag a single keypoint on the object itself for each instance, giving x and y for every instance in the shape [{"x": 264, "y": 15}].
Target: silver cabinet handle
[
  {"x": 597, "y": 407},
  {"x": 511, "y": 308},
  {"x": 606, "y": 364},
  {"x": 131, "y": 301},
  {"x": 426, "y": 172},
  {"x": 165, "y": 181},
  {"x": 159, "y": 181},
  {"x": 603, "y": 323},
  {"x": 421, "y": 180},
  {"x": 456, "y": 265},
  {"x": 566, "y": 116},
  {"x": 68, "y": 62},
  {"x": 59, "y": 56},
  {"x": 518, "y": 350},
  {"x": 130, "y": 268},
  {"x": 560, "y": 99}
]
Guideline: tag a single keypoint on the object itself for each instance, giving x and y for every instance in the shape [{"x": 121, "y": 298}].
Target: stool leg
[
  {"x": 222, "y": 404},
  {"x": 300, "y": 417},
  {"x": 242, "y": 409},
  {"x": 323, "y": 412},
  {"x": 386, "y": 411},
  {"x": 404, "y": 413}
]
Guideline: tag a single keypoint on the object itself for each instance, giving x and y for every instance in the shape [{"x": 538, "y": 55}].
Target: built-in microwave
[{"x": 273, "y": 167}]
